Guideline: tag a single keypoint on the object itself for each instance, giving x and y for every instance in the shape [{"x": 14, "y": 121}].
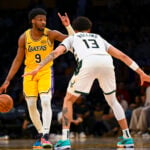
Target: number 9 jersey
[{"x": 37, "y": 50}]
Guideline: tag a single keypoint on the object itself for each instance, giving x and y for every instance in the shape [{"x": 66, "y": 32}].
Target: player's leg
[
  {"x": 108, "y": 84},
  {"x": 46, "y": 117},
  {"x": 45, "y": 86},
  {"x": 31, "y": 94},
  {"x": 67, "y": 113},
  {"x": 79, "y": 84}
]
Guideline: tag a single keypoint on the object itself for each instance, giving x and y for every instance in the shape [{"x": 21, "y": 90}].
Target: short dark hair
[
  {"x": 36, "y": 11},
  {"x": 81, "y": 23}
]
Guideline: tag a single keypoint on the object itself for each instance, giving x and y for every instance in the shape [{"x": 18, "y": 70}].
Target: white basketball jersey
[{"x": 86, "y": 44}]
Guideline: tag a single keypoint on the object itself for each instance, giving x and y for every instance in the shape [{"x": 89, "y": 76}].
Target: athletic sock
[
  {"x": 126, "y": 133},
  {"x": 65, "y": 134}
]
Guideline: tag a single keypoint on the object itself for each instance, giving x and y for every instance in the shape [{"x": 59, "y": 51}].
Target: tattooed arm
[{"x": 53, "y": 55}]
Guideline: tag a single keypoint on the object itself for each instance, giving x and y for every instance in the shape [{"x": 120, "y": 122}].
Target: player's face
[{"x": 39, "y": 22}]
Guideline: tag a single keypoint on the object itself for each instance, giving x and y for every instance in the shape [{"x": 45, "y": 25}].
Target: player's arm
[
  {"x": 18, "y": 59},
  {"x": 53, "y": 55},
  {"x": 56, "y": 35},
  {"x": 116, "y": 53},
  {"x": 15, "y": 64}
]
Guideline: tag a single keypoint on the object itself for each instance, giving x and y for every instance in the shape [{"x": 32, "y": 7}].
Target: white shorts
[{"x": 98, "y": 67}]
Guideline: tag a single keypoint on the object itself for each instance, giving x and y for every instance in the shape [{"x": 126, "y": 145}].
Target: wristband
[
  {"x": 134, "y": 66},
  {"x": 70, "y": 30}
]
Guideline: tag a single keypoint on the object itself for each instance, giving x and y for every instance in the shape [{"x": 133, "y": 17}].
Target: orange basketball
[{"x": 6, "y": 103}]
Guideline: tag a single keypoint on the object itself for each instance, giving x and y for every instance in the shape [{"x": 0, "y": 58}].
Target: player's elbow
[
  {"x": 123, "y": 57},
  {"x": 60, "y": 50}
]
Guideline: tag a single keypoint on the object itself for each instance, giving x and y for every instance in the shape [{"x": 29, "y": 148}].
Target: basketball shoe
[
  {"x": 45, "y": 141},
  {"x": 63, "y": 145},
  {"x": 37, "y": 144},
  {"x": 125, "y": 143}
]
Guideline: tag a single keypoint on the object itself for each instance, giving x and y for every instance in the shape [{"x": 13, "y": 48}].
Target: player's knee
[
  {"x": 45, "y": 103},
  {"x": 45, "y": 99},
  {"x": 111, "y": 99},
  {"x": 31, "y": 102}
]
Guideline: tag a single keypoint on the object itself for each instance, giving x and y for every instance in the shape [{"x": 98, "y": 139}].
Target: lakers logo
[{"x": 36, "y": 48}]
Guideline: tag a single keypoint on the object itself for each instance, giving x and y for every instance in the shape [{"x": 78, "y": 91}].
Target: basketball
[{"x": 6, "y": 103}]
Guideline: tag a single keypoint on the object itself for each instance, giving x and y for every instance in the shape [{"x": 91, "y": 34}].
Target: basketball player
[
  {"x": 35, "y": 44},
  {"x": 94, "y": 58}
]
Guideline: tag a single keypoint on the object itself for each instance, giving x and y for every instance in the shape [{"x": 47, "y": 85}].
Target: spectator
[
  {"x": 138, "y": 119},
  {"x": 147, "y": 133}
]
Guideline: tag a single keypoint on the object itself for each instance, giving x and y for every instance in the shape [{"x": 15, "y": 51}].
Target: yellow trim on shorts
[{"x": 45, "y": 92}]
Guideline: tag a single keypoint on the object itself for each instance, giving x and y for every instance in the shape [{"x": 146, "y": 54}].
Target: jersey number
[
  {"x": 37, "y": 58},
  {"x": 91, "y": 43}
]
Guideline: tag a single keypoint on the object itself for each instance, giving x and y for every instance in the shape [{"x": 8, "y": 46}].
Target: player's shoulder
[
  {"x": 27, "y": 31},
  {"x": 22, "y": 37},
  {"x": 47, "y": 31}
]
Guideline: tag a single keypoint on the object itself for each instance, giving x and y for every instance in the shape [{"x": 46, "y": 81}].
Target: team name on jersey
[
  {"x": 36, "y": 48},
  {"x": 87, "y": 35}
]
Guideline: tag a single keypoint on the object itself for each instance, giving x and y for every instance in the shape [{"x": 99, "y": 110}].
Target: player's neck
[
  {"x": 84, "y": 31},
  {"x": 36, "y": 34}
]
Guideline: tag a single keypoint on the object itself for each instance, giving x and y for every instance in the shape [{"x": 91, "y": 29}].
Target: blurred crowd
[{"x": 125, "y": 24}]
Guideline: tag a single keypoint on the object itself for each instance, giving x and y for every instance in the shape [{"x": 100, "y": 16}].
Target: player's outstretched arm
[
  {"x": 130, "y": 63},
  {"x": 53, "y": 55},
  {"x": 66, "y": 22}
]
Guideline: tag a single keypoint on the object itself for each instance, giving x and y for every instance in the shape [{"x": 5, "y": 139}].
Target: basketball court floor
[{"x": 108, "y": 143}]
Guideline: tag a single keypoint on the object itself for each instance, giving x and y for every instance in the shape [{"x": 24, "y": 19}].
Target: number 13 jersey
[{"x": 86, "y": 44}]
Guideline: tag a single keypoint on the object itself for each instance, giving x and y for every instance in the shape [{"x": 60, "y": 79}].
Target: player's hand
[
  {"x": 32, "y": 73},
  {"x": 64, "y": 19},
  {"x": 4, "y": 87},
  {"x": 144, "y": 78}
]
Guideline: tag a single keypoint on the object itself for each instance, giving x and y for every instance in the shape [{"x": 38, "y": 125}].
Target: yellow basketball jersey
[{"x": 37, "y": 50}]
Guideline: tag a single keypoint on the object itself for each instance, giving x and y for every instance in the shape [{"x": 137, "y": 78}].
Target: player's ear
[{"x": 32, "y": 21}]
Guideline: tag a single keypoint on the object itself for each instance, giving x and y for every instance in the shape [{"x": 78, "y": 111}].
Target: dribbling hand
[{"x": 3, "y": 88}]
